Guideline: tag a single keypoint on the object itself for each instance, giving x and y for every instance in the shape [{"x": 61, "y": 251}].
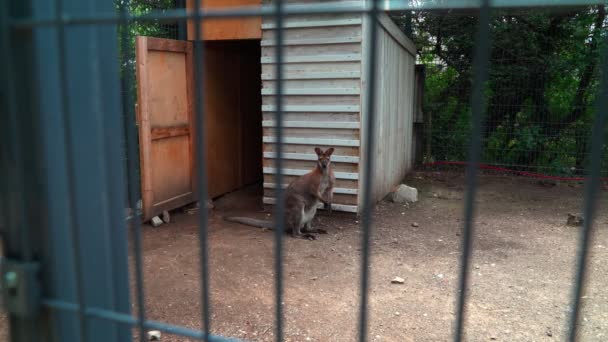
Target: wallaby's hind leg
[
  {"x": 296, "y": 222},
  {"x": 308, "y": 224},
  {"x": 308, "y": 229}
]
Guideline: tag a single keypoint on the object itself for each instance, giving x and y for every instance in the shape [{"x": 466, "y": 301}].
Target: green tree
[{"x": 541, "y": 90}]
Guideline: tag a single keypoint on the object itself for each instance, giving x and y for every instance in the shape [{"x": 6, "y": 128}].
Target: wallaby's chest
[{"x": 324, "y": 183}]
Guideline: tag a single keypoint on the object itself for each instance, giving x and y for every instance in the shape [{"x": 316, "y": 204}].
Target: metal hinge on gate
[{"x": 20, "y": 286}]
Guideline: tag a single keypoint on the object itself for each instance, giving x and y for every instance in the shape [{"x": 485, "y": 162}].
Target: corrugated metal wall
[
  {"x": 394, "y": 106},
  {"x": 322, "y": 89}
]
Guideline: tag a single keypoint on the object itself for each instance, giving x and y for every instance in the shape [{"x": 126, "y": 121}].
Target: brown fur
[{"x": 302, "y": 197}]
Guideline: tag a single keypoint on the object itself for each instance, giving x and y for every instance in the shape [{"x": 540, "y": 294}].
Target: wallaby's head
[{"x": 324, "y": 157}]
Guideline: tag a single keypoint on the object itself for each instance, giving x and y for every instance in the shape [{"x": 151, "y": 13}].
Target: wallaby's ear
[
  {"x": 329, "y": 151},
  {"x": 318, "y": 151}
]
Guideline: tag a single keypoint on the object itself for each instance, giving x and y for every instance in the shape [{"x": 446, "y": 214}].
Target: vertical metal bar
[
  {"x": 279, "y": 213},
  {"x": 478, "y": 108},
  {"x": 592, "y": 188},
  {"x": 75, "y": 233},
  {"x": 370, "y": 139},
  {"x": 201, "y": 157},
  {"x": 182, "y": 33},
  {"x": 15, "y": 154},
  {"x": 132, "y": 157},
  {"x": 96, "y": 112}
]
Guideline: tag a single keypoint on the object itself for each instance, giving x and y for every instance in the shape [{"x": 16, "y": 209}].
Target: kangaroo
[{"x": 301, "y": 199}]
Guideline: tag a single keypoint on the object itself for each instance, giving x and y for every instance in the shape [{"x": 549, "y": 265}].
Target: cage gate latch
[{"x": 20, "y": 287}]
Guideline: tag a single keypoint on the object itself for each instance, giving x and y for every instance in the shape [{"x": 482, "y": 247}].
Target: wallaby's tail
[{"x": 251, "y": 222}]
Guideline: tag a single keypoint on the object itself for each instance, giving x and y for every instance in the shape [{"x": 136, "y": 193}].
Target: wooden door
[
  {"x": 226, "y": 28},
  {"x": 165, "y": 120}
]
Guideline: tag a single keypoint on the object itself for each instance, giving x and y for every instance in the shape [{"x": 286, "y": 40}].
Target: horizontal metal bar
[
  {"x": 314, "y": 59},
  {"x": 313, "y": 41},
  {"x": 312, "y": 157},
  {"x": 314, "y": 141},
  {"x": 314, "y": 124},
  {"x": 342, "y": 191},
  {"x": 399, "y": 5},
  {"x": 334, "y": 206},
  {"x": 314, "y": 91},
  {"x": 118, "y": 317},
  {"x": 290, "y": 9},
  {"x": 315, "y": 108},
  {"x": 315, "y": 75},
  {"x": 299, "y": 172}
]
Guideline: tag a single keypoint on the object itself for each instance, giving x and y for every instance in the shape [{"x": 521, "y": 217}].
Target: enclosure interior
[{"x": 232, "y": 98}]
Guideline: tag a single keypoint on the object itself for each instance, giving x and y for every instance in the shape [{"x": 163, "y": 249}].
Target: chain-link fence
[{"x": 541, "y": 89}]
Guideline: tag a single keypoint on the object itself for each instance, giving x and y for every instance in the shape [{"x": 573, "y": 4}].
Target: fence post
[{"x": 62, "y": 175}]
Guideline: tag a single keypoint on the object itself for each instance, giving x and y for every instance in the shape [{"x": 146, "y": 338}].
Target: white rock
[
  {"x": 166, "y": 217},
  {"x": 398, "y": 280},
  {"x": 405, "y": 194},
  {"x": 154, "y": 335},
  {"x": 156, "y": 221}
]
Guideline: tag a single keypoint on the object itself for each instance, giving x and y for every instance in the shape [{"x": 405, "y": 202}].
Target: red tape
[{"x": 522, "y": 173}]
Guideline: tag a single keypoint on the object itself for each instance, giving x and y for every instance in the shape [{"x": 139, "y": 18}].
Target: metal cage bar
[
  {"x": 592, "y": 189},
  {"x": 481, "y": 60},
  {"x": 134, "y": 193},
  {"x": 65, "y": 109},
  {"x": 370, "y": 158},
  {"x": 201, "y": 169},
  {"x": 279, "y": 210}
]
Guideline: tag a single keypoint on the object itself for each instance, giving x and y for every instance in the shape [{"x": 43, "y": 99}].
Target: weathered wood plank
[
  {"x": 168, "y": 132},
  {"x": 167, "y": 45},
  {"x": 342, "y": 191},
  {"x": 314, "y": 59},
  {"x": 313, "y": 91},
  {"x": 314, "y": 108},
  {"x": 313, "y": 141},
  {"x": 313, "y": 157},
  {"x": 316, "y": 23},
  {"x": 314, "y": 75},
  {"x": 313, "y": 41},
  {"x": 314, "y": 124},
  {"x": 298, "y": 172}
]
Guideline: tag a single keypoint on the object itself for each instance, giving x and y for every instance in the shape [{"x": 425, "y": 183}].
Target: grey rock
[{"x": 405, "y": 194}]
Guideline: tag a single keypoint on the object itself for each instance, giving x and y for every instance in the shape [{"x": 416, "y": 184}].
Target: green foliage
[{"x": 540, "y": 94}]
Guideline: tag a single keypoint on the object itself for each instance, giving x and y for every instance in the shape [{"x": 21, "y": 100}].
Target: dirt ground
[{"x": 521, "y": 273}]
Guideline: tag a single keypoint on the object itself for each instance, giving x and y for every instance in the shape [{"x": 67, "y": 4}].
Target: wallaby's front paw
[{"x": 328, "y": 207}]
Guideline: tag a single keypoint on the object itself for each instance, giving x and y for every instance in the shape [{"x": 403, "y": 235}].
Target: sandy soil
[{"x": 521, "y": 275}]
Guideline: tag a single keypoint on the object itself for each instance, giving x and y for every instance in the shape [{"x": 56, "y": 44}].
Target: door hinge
[{"x": 20, "y": 286}]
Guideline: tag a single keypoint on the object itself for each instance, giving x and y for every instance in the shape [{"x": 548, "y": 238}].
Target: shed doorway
[{"x": 231, "y": 95}]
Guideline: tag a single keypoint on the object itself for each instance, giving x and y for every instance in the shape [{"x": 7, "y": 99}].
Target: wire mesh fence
[
  {"x": 89, "y": 299},
  {"x": 542, "y": 85}
]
